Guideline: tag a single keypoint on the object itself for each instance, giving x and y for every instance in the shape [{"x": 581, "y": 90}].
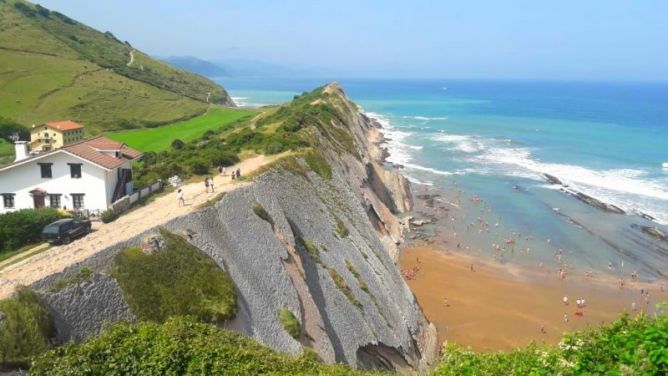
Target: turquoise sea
[{"x": 496, "y": 140}]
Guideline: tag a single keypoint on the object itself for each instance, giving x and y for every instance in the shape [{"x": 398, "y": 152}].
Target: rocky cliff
[{"x": 324, "y": 248}]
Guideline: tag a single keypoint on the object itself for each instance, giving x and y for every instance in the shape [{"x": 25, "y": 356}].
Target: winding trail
[
  {"x": 132, "y": 58},
  {"x": 161, "y": 210}
]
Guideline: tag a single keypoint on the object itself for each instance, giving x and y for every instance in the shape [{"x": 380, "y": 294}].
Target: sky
[{"x": 498, "y": 39}]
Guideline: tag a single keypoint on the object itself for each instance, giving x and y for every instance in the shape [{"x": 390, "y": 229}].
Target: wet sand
[{"x": 495, "y": 308}]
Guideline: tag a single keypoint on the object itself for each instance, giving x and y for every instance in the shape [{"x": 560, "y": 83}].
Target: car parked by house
[{"x": 64, "y": 231}]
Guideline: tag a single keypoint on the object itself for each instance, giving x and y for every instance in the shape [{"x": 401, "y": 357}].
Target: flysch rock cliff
[{"x": 380, "y": 326}]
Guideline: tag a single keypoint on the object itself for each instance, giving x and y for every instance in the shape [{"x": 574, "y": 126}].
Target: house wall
[
  {"x": 22, "y": 179},
  {"x": 37, "y": 133}
]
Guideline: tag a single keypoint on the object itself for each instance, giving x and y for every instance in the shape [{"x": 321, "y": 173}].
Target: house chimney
[{"x": 21, "y": 148}]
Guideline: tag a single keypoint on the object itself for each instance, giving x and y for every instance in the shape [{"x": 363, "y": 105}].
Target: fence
[{"x": 124, "y": 203}]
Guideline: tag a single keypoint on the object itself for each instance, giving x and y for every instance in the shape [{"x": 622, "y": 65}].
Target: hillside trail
[
  {"x": 132, "y": 58},
  {"x": 160, "y": 211}
]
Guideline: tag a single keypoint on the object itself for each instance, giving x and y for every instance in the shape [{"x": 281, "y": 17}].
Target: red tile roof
[
  {"x": 64, "y": 126},
  {"x": 92, "y": 150}
]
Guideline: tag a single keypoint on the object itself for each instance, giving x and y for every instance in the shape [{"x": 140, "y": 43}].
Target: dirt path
[
  {"x": 161, "y": 210},
  {"x": 132, "y": 58}
]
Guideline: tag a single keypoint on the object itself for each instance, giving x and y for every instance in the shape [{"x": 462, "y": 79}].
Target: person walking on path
[
  {"x": 179, "y": 195},
  {"x": 206, "y": 184},
  {"x": 211, "y": 183},
  {"x": 238, "y": 173}
]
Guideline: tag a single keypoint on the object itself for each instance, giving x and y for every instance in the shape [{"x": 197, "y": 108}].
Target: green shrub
[
  {"x": 26, "y": 329},
  {"x": 311, "y": 248},
  {"x": 629, "y": 346},
  {"x": 262, "y": 213},
  {"x": 109, "y": 215},
  {"x": 343, "y": 286},
  {"x": 177, "y": 280},
  {"x": 290, "y": 323},
  {"x": 198, "y": 166},
  {"x": 318, "y": 164},
  {"x": 180, "y": 346},
  {"x": 25, "y": 226},
  {"x": 357, "y": 276},
  {"x": 178, "y": 144},
  {"x": 341, "y": 228}
]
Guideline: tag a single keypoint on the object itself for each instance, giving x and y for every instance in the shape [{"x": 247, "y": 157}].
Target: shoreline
[{"x": 477, "y": 301}]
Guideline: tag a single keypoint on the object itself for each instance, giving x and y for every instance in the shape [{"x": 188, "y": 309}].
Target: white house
[{"x": 90, "y": 174}]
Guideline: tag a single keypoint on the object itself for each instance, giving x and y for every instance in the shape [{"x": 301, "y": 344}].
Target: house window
[
  {"x": 45, "y": 170},
  {"x": 54, "y": 200},
  {"x": 8, "y": 200},
  {"x": 78, "y": 200},
  {"x": 75, "y": 170}
]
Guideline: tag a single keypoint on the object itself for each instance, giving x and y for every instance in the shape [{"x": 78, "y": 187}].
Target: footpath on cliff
[{"x": 155, "y": 213}]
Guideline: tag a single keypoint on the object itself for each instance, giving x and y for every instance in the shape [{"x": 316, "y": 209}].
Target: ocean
[{"x": 496, "y": 140}]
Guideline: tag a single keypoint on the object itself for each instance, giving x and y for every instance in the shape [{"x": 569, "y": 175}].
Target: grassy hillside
[
  {"x": 54, "y": 68},
  {"x": 159, "y": 139}
]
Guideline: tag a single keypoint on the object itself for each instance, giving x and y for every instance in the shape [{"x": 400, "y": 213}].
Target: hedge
[{"x": 23, "y": 227}]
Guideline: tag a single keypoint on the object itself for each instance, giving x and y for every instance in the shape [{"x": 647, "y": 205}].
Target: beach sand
[{"x": 495, "y": 308}]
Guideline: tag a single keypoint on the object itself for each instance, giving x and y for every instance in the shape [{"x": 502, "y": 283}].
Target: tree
[{"x": 178, "y": 144}]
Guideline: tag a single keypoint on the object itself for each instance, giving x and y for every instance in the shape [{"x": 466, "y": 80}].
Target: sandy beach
[{"x": 490, "y": 308}]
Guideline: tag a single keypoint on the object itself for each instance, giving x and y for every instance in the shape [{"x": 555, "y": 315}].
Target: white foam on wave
[
  {"x": 465, "y": 144},
  {"x": 242, "y": 102},
  {"x": 626, "y": 188},
  {"x": 426, "y": 118},
  {"x": 400, "y": 152},
  {"x": 417, "y": 181}
]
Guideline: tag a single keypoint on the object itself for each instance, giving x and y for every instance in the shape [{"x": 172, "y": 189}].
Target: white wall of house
[{"x": 95, "y": 182}]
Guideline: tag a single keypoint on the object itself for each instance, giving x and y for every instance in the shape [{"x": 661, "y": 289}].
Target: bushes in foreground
[
  {"x": 180, "y": 346},
  {"x": 24, "y": 227},
  {"x": 177, "y": 280},
  {"x": 25, "y": 328},
  {"x": 629, "y": 346}
]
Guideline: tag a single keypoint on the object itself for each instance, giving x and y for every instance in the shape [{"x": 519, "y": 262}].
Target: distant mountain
[
  {"x": 55, "y": 68},
  {"x": 199, "y": 66}
]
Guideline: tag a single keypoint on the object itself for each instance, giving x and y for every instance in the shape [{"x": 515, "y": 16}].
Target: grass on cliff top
[
  {"x": 25, "y": 329},
  {"x": 290, "y": 323},
  {"x": 180, "y": 346},
  {"x": 158, "y": 139},
  {"x": 179, "y": 279}
]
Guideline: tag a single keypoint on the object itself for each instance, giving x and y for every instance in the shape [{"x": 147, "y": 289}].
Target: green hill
[{"x": 55, "y": 68}]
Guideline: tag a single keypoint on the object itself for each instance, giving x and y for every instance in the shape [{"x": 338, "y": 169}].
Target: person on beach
[
  {"x": 471, "y": 267},
  {"x": 179, "y": 196},
  {"x": 565, "y": 317},
  {"x": 565, "y": 300}
]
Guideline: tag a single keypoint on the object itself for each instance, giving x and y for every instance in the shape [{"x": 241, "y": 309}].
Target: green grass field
[{"x": 157, "y": 139}]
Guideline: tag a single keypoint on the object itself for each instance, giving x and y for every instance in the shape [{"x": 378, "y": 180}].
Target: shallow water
[{"x": 496, "y": 139}]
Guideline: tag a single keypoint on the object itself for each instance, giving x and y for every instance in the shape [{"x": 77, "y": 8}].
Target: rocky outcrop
[
  {"x": 328, "y": 255},
  {"x": 610, "y": 208},
  {"x": 82, "y": 309}
]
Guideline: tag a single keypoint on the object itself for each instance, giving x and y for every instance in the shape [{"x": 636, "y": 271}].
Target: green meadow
[{"x": 158, "y": 139}]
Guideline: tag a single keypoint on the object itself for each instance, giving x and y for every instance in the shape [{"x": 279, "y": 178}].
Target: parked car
[{"x": 64, "y": 230}]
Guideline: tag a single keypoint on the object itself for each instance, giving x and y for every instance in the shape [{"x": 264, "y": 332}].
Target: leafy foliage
[
  {"x": 109, "y": 215},
  {"x": 177, "y": 280},
  {"x": 9, "y": 127},
  {"x": 318, "y": 164},
  {"x": 629, "y": 346},
  {"x": 343, "y": 286},
  {"x": 84, "y": 274},
  {"x": 341, "y": 228},
  {"x": 180, "y": 346},
  {"x": 26, "y": 328},
  {"x": 25, "y": 226},
  {"x": 290, "y": 323}
]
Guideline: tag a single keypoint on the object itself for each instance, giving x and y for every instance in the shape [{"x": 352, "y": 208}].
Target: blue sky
[{"x": 565, "y": 39}]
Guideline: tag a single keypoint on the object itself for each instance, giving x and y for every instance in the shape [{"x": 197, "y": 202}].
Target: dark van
[{"x": 64, "y": 230}]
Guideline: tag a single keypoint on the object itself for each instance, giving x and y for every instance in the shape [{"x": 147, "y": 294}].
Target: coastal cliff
[{"x": 316, "y": 233}]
